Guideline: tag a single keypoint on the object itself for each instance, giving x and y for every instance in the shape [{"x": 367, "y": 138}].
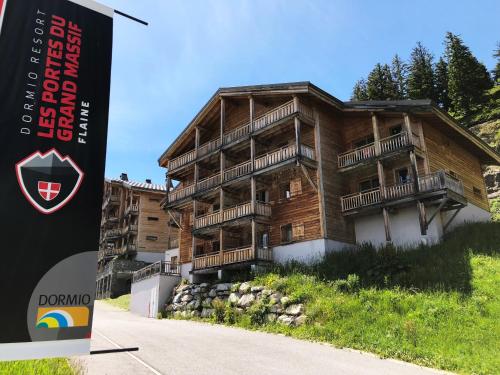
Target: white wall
[
  {"x": 171, "y": 253},
  {"x": 150, "y": 295},
  {"x": 185, "y": 269},
  {"x": 470, "y": 213},
  {"x": 304, "y": 251},
  {"x": 148, "y": 257},
  {"x": 404, "y": 226}
]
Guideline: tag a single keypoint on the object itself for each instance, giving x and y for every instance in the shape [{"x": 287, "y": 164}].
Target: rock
[
  {"x": 246, "y": 300},
  {"x": 195, "y": 313},
  {"x": 295, "y": 309},
  {"x": 224, "y": 293},
  {"x": 270, "y": 318},
  {"x": 223, "y": 287},
  {"x": 177, "y": 298},
  {"x": 235, "y": 287},
  {"x": 182, "y": 288},
  {"x": 267, "y": 292},
  {"x": 204, "y": 285},
  {"x": 284, "y": 301},
  {"x": 245, "y": 288},
  {"x": 207, "y": 313},
  {"x": 196, "y": 290},
  {"x": 239, "y": 310},
  {"x": 186, "y": 298},
  {"x": 212, "y": 293},
  {"x": 275, "y": 298},
  {"x": 169, "y": 308},
  {"x": 300, "y": 320},
  {"x": 275, "y": 309},
  {"x": 207, "y": 302},
  {"x": 285, "y": 319},
  {"x": 193, "y": 305},
  {"x": 234, "y": 298},
  {"x": 256, "y": 289}
]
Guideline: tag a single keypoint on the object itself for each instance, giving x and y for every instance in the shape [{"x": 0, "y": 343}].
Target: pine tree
[
  {"x": 441, "y": 79},
  {"x": 496, "y": 71},
  {"x": 359, "y": 91},
  {"x": 468, "y": 79},
  {"x": 399, "y": 72},
  {"x": 421, "y": 74},
  {"x": 380, "y": 85}
]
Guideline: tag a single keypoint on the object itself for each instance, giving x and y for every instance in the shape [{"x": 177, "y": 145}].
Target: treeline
[{"x": 458, "y": 82}]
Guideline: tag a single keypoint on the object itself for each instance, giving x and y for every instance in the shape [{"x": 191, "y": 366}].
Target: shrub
[
  {"x": 219, "y": 310},
  {"x": 257, "y": 313}
]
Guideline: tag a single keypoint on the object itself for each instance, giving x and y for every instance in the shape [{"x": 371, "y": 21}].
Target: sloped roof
[{"x": 139, "y": 185}]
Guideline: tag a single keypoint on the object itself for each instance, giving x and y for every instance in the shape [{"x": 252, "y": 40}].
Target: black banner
[{"x": 55, "y": 66}]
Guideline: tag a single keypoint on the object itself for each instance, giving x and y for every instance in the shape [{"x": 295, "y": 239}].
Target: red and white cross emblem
[{"x": 48, "y": 190}]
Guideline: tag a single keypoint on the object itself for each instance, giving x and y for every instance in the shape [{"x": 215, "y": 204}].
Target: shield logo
[{"x": 48, "y": 180}]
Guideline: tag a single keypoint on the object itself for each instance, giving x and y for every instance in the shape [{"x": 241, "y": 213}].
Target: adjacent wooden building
[
  {"x": 135, "y": 231},
  {"x": 287, "y": 171}
]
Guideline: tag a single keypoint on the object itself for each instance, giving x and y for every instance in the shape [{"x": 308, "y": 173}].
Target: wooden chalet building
[
  {"x": 287, "y": 171},
  {"x": 135, "y": 231}
]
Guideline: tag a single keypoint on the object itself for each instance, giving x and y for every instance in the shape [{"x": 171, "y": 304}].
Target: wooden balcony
[
  {"x": 232, "y": 213},
  {"x": 158, "y": 268},
  {"x": 232, "y": 256},
  {"x": 261, "y": 122},
  {"x": 438, "y": 181},
  {"x": 130, "y": 228},
  {"x": 111, "y": 199},
  {"x": 113, "y": 234},
  {"x": 241, "y": 170},
  {"x": 133, "y": 209},
  {"x": 388, "y": 145}
]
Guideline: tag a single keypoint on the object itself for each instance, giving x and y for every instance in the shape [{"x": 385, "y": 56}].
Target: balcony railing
[
  {"x": 242, "y": 169},
  {"x": 112, "y": 233},
  {"x": 158, "y": 268},
  {"x": 111, "y": 199},
  {"x": 238, "y": 211},
  {"x": 260, "y": 122},
  {"x": 132, "y": 209},
  {"x": 231, "y": 256},
  {"x": 387, "y": 145},
  {"x": 130, "y": 228},
  {"x": 428, "y": 183},
  {"x": 173, "y": 243}
]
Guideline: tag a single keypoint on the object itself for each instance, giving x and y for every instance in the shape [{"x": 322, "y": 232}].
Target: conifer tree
[
  {"x": 441, "y": 79},
  {"x": 359, "y": 91},
  {"x": 496, "y": 71},
  {"x": 380, "y": 85},
  {"x": 468, "y": 79},
  {"x": 421, "y": 74},
  {"x": 399, "y": 71}
]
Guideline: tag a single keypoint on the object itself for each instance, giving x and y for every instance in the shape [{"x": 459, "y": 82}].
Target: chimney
[
  {"x": 148, "y": 180},
  {"x": 124, "y": 177}
]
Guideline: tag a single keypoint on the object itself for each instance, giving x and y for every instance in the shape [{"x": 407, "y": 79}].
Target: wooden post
[
  {"x": 222, "y": 166},
  {"x": 381, "y": 179},
  {"x": 222, "y": 119},
  {"x": 252, "y": 112},
  {"x": 196, "y": 140},
  {"x": 297, "y": 137},
  {"x": 253, "y": 191},
  {"x": 254, "y": 238},
  {"x": 422, "y": 218},
  {"x": 193, "y": 239},
  {"x": 196, "y": 175},
  {"x": 407, "y": 123},
  {"x": 319, "y": 173},
  {"x": 414, "y": 171},
  {"x": 376, "y": 134},
  {"x": 387, "y": 226},
  {"x": 295, "y": 103}
]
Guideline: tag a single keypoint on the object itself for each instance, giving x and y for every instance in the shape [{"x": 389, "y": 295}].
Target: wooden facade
[
  {"x": 267, "y": 166},
  {"x": 133, "y": 221}
]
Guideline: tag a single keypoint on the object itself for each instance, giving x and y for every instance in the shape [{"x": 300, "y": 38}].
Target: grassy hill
[{"x": 437, "y": 306}]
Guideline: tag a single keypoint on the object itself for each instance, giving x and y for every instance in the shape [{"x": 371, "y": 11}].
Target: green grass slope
[
  {"x": 122, "y": 302},
  {"x": 54, "y": 366}
]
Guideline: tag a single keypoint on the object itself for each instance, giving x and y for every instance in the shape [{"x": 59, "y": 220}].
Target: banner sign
[{"x": 55, "y": 67}]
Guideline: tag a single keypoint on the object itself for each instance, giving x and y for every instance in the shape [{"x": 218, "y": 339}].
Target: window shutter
[
  {"x": 298, "y": 231},
  {"x": 296, "y": 186}
]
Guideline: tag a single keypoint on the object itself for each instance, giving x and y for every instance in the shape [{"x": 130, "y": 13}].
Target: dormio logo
[
  {"x": 62, "y": 317},
  {"x": 48, "y": 181}
]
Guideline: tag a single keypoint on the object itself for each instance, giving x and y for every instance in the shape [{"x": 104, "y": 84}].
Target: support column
[
  {"x": 298, "y": 137},
  {"x": 221, "y": 230},
  {"x": 252, "y": 111},
  {"x": 422, "y": 218},
  {"x": 376, "y": 134},
  {"x": 253, "y": 191},
  {"x": 222, "y": 119},
  {"x": 193, "y": 238},
  {"x": 168, "y": 182},
  {"x": 387, "y": 225},
  {"x": 254, "y": 238},
  {"x": 196, "y": 140},
  {"x": 381, "y": 178},
  {"x": 414, "y": 171}
]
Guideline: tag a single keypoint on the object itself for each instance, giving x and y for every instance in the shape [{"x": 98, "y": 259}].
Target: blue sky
[{"x": 164, "y": 73}]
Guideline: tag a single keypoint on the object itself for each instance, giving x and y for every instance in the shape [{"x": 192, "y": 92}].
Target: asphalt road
[{"x": 183, "y": 347}]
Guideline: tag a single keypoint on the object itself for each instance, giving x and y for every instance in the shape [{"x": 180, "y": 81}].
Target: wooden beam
[
  {"x": 252, "y": 111},
  {"x": 414, "y": 171},
  {"x": 222, "y": 119},
  {"x": 253, "y": 192},
  {"x": 196, "y": 139},
  {"x": 422, "y": 218},
  {"x": 445, "y": 227},
  {"x": 438, "y": 209},
  {"x": 407, "y": 123},
  {"x": 376, "y": 134},
  {"x": 317, "y": 146},
  {"x": 387, "y": 225},
  {"x": 297, "y": 137},
  {"x": 173, "y": 218},
  {"x": 254, "y": 237},
  {"x": 304, "y": 169},
  {"x": 381, "y": 178}
]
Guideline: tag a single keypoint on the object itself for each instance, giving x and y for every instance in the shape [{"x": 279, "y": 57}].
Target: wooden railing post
[
  {"x": 376, "y": 134},
  {"x": 252, "y": 112},
  {"x": 298, "y": 149},
  {"x": 381, "y": 179}
]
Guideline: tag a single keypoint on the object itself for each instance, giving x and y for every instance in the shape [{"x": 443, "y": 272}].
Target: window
[
  {"x": 396, "y": 129},
  {"x": 262, "y": 196},
  {"x": 173, "y": 259},
  {"x": 263, "y": 240},
  {"x": 372, "y": 183},
  {"x": 152, "y": 218},
  {"x": 152, "y": 238},
  {"x": 402, "y": 176},
  {"x": 363, "y": 141},
  {"x": 286, "y": 233},
  {"x": 285, "y": 192},
  {"x": 477, "y": 191}
]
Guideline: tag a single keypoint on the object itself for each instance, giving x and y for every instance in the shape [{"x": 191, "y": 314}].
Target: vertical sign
[{"x": 55, "y": 65}]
